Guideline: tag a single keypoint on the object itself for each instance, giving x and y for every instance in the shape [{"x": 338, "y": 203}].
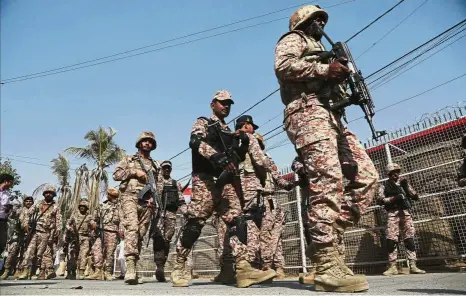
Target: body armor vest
[
  {"x": 393, "y": 189},
  {"x": 170, "y": 196},
  {"x": 292, "y": 90},
  {"x": 201, "y": 165}
]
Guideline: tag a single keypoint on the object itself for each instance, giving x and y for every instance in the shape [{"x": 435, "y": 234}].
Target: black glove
[
  {"x": 244, "y": 138},
  {"x": 220, "y": 160}
]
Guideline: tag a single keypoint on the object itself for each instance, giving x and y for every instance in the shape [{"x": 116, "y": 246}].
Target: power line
[
  {"x": 74, "y": 68},
  {"x": 391, "y": 30},
  {"x": 374, "y": 21}
]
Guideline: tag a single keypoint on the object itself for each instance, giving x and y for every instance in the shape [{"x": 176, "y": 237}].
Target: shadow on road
[{"x": 435, "y": 291}]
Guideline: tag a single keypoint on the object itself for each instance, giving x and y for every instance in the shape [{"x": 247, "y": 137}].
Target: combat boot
[
  {"x": 339, "y": 228},
  {"x": 130, "y": 275},
  {"x": 226, "y": 275},
  {"x": 25, "y": 274},
  {"x": 247, "y": 276},
  {"x": 330, "y": 276},
  {"x": 41, "y": 275},
  {"x": 61, "y": 268},
  {"x": 414, "y": 269},
  {"x": 308, "y": 278},
  {"x": 17, "y": 274},
  {"x": 280, "y": 274},
  {"x": 70, "y": 275},
  {"x": 80, "y": 275},
  {"x": 5, "y": 274},
  {"x": 392, "y": 270},
  {"x": 160, "y": 273},
  {"x": 88, "y": 270},
  {"x": 178, "y": 275},
  {"x": 108, "y": 274},
  {"x": 97, "y": 275},
  {"x": 50, "y": 274}
]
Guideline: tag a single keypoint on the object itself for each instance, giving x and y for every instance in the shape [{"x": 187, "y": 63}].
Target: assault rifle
[
  {"x": 360, "y": 94},
  {"x": 150, "y": 190}
]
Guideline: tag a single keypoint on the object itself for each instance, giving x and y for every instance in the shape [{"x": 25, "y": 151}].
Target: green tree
[
  {"x": 103, "y": 152},
  {"x": 7, "y": 168}
]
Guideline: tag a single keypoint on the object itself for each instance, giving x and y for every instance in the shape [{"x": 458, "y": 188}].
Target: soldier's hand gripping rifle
[
  {"x": 150, "y": 191},
  {"x": 360, "y": 94}
]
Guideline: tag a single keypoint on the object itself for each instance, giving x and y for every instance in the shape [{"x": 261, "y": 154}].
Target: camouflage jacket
[
  {"x": 125, "y": 172},
  {"x": 79, "y": 223},
  {"x": 111, "y": 216},
  {"x": 273, "y": 179},
  {"x": 382, "y": 199},
  {"x": 48, "y": 217}
]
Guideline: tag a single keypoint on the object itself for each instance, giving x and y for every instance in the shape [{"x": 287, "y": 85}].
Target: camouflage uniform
[
  {"x": 329, "y": 150},
  {"x": 206, "y": 195},
  {"x": 47, "y": 229},
  {"x": 79, "y": 249},
  {"x": 103, "y": 256},
  {"x": 274, "y": 219},
  {"x": 16, "y": 239},
  {"x": 398, "y": 216},
  {"x": 172, "y": 198},
  {"x": 136, "y": 213}
]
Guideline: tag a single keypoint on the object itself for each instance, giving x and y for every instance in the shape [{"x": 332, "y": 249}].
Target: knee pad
[
  {"x": 409, "y": 244},
  {"x": 191, "y": 232},
  {"x": 391, "y": 245},
  {"x": 239, "y": 228},
  {"x": 159, "y": 242}
]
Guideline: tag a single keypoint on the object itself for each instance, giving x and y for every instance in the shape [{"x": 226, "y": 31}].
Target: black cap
[{"x": 245, "y": 118}]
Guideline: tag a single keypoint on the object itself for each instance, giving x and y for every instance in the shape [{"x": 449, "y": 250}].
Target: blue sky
[{"x": 165, "y": 91}]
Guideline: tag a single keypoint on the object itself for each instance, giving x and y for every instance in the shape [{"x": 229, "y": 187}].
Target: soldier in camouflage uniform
[
  {"x": 211, "y": 159},
  {"x": 271, "y": 249},
  {"x": 79, "y": 225},
  {"x": 16, "y": 240},
  {"x": 308, "y": 87},
  {"x": 396, "y": 196},
  {"x": 137, "y": 212},
  {"x": 172, "y": 199},
  {"x": 104, "y": 254},
  {"x": 44, "y": 222}
]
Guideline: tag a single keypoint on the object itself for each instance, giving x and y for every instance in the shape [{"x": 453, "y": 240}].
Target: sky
[{"x": 166, "y": 90}]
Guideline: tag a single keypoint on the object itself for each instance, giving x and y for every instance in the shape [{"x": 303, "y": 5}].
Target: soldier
[
  {"x": 213, "y": 145},
  {"x": 6, "y": 183},
  {"x": 131, "y": 172},
  {"x": 107, "y": 221},
  {"x": 396, "y": 197},
  {"x": 172, "y": 199},
  {"x": 271, "y": 248},
  {"x": 42, "y": 225},
  {"x": 329, "y": 150},
  {"x": 16, "y": 241},
  {"x": 79, "y": 226}
]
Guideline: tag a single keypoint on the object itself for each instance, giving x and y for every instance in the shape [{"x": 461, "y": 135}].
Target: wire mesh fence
[{"x": 429, "y": 155}]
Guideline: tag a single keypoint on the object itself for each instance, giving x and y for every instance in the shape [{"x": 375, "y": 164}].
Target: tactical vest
[
  {"x": 170, "y": 196},
  {"x": 392, "y": 189},
  {"x": 201, "y": 165},
  {"x": 292, "y": 90}
]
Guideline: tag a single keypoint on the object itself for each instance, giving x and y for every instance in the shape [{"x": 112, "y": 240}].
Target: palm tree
[
  {"x": 103, "y": 152},
  {"x": 61, "y": 169}
]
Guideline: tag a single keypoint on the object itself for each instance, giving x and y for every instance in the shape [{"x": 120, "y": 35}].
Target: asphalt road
[{"x": 428, "y": 284}]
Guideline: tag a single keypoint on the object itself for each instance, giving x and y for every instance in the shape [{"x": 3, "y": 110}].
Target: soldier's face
[
  {"x": 221, "y": 108},
  {"x": 82, "y": 209},
  {"x": 166, "y": 170},
  {"x": 395, "y": 175},
  {"x": 146, "y": 145},
  {"x": 248, "y": 128},
  {"x": 48, "y": 196},
  {"x": 28, "y": 203},
  {"x": 312, "y": 31}
]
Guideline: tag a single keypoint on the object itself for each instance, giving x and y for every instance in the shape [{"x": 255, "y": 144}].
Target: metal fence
[{"x": 429, "y": 154}]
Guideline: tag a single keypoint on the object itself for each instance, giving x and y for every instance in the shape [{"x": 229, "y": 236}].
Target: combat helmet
[
  {"x": 147, "y": 135},
  {"x": 50, "y": 188},
  {"x": 111, "y": 191},
  {"x": 305, "y": 13},
  {"x": 392, "y": 167},
  {"x": 83, "y": 203}
]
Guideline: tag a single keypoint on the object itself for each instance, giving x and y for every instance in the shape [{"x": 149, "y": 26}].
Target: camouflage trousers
[
  {"x": 162, "y": 237},
  {"x": 13, "y": 251},
  {"x": 271, "y": 249},
  {"x": 224, "y": 251},
  {"x": 330, "y": 152},
  {"x": 3, "y": 234},
  {"x": 136, "y": 221},
  {"x": 394, "y": 223},
  {"x": 206, "y": 197},
  {"x": 104, "y": 257},
  {"x": 35, "y": 249},
  {"x": 78, "y": 252},
  {"x": 47, "y": 258}
]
